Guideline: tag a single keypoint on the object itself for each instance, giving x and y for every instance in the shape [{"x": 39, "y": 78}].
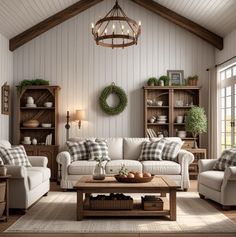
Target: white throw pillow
[{"x": 14, "y": 156}]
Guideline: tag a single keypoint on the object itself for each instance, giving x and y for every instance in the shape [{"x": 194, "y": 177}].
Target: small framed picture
[
  {"x": 176, "y": 77},
  {"x": 6, "y": 99}
]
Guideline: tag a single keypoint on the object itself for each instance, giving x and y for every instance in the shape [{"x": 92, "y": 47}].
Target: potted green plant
[
  {"x": 152, "y": 81},
  {"x": 196, "y": 122},
  {"x": 192, "y": 80},
  {"x": 165, "y": 79}
]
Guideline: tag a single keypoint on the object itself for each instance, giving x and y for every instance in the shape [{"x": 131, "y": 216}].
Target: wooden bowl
[
  {"x": 133, "y": 180},
  {"x": 33, "y": 123}
]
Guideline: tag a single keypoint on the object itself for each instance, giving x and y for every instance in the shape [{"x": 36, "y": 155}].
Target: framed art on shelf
[
  {"x": 176, "y": 77},
  {"x": 5, "y": 99}
]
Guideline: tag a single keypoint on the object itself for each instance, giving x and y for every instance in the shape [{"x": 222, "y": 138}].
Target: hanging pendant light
[{"x": 116, "y": 30}]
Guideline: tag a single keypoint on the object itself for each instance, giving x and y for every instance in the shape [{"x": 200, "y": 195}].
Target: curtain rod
[{"x": 219, "y": 64}]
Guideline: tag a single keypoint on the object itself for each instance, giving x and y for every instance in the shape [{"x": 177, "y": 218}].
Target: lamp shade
[{"x": 79, "y": 114}]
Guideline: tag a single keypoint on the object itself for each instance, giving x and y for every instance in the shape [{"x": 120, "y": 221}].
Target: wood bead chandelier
[{"x": 116, "y": 30}]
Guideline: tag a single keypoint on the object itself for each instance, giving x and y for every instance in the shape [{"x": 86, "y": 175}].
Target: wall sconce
[{"x": 79, "y": 116}]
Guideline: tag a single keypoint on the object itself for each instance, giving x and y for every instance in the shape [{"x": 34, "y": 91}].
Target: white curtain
[{"x": 213, "y": 114}]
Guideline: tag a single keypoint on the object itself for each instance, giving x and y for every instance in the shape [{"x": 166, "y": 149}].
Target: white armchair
[
  {"x": 219, "y": 186},
  {"x": 27, "y": 184}
]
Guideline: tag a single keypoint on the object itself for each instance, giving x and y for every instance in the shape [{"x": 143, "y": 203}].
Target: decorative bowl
[
  {"x": 48, "y": 104},
  {"x": 46, "y": 125},
  {"x": 133, "y": 180},
  {"x": 33, "y": 123}
]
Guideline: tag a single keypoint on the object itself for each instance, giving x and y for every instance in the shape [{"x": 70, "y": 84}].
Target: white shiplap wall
[
  {"x": 229, "y": 50},
  {"x": 6, "y": 75},
  {"x": 67, "y": 56}
]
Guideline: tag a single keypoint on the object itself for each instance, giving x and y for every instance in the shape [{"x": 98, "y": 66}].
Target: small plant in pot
[
  {"x": 192, "y": 80},
  {"x": 165, "y": 79},
  {"x": 152, "y": 81},
  {"x": 196, "y": 122}
]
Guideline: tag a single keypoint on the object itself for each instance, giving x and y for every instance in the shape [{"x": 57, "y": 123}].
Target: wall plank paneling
[
  {"x": 6, "y": 75},
  {"x": 229, "y": 50},
  {"x": 67, "y": 56}
]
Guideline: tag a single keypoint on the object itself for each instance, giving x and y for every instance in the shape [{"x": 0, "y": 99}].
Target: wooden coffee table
[{"x": 86, "y": 185}]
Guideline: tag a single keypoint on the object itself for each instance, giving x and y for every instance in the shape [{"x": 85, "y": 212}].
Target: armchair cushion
[
  {"x": 78, "y": 150},
  {"x": 14, "y": 156},
  {"x": 212, "y": 179},
  {"x": 228, "y": 158}
]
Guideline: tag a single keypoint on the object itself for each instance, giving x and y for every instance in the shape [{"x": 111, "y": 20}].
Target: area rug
[{"x": 56, "y": 213}]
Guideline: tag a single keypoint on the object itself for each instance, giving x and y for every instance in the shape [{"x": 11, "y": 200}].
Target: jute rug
[{"x": 56, "y": 213}]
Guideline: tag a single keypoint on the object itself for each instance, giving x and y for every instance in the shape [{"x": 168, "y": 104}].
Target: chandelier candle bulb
[
  {"x": 139, "y": 23},
  {"x": 92, "y": 25}
]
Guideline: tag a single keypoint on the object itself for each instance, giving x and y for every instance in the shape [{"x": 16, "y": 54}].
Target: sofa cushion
[
  {"x": 163, "y": 167},
  {"x": 113, "y": 166},
  {"x": 228, "y": 158},
  {"x": 97, "y": 149},
  {"x": 14, "y": 156},
  {"x": 82, "y": 167},
  {"x": 78, "y": 150},
  {"x": 152, "y": 150},
  {"x": 172, "y": 139},
  {"x": 132, "y": 147},
  {"x": 35, "y": 178},
  {"x": 212, "y": 179},
  {"x": 115, "y": 147},
  {"x": 46, "y": 172},
  {"x": 171, "y": 150}
]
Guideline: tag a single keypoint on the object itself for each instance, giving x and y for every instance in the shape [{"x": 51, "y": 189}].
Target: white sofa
[
  {"x": 125, "y": 151},
  {"x": 216, "y": 185},
  {"x": 27, "y": 184}
]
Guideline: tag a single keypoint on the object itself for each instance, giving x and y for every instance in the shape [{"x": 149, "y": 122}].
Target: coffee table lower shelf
[{"x": 136, "y": 211}]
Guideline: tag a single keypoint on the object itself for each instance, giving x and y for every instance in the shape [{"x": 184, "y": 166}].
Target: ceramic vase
[{"x": 99, "y": 172}]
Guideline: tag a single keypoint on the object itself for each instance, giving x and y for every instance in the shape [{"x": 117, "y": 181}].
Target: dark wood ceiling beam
[
  {"x": 50, "y": 22},
  {"x": 185, "y": 23}
]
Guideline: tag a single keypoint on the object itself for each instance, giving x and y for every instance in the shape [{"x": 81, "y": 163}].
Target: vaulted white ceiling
[
  {"x": 218, "y": 16},
  {"x": 17, "y": 16}
]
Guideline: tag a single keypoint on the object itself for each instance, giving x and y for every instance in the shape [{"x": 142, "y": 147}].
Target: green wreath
[{"x": 113, "y": 89}]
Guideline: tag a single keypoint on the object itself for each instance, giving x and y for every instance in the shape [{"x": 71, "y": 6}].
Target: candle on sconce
[
  {"x": 92, "y": 26},
  {"x": 139, "y": 23}
]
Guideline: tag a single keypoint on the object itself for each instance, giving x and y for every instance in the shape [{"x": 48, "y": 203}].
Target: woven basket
[
  {"x": 2, "y": 208},
  {"x": 2, "y": 191},
  {"x": 111, "y": 204}
]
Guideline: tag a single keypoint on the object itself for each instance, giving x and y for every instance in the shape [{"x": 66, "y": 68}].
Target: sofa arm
[
  {"x": 16, "y": 172},
  {"x": 184, "y": 159},
  {"x": 38, "y": 161},
  {"x": 64, "y": 159},
  {"x": 230, "y": 173},
  {"x": 206, "y": 164}
]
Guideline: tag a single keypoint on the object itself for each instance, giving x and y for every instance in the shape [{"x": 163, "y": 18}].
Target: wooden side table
[
  {"x": 5, "y": 215},
  {"x": 199, "y": 153}
]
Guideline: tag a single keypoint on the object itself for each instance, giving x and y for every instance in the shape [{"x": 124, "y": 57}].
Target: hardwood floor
[{"x": 54, "y": 187}]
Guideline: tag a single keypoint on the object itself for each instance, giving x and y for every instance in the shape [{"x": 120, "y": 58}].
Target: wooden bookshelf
[{"x": 170, "y": 95}]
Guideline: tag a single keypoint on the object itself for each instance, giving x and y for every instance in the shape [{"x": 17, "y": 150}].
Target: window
[{"x": 228, "y": 107}]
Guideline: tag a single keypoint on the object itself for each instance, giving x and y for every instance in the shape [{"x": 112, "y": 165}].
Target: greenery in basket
[
  {"x": 196, "y": 122},
  {"x": 36, "y": 82},
  {"x": 152, "y": 81},
  {"x": 165, "y": 79},
  {"x": 195, "y": 78},
  {"x": 123, "y": 170}
]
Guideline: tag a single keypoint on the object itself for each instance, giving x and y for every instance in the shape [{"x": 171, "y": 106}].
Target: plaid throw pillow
[
  {"x": 228, "y": 158},
  {"x": 171, "y": 150},
  {"x": 14, "y": 156},
  {"x": 97, "y": 148},
  {"x": 77, "y": 150},
  {"x": 152, "y": 150}
]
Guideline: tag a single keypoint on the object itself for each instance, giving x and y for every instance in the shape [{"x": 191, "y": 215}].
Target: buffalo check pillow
[
  {"x": 77, "y": 150},
  {"x": 171, "y": 150},
  {"x": 97, "y": 149},
  {"x": 228, "y": 158},
  {"x": 14, "y": 156},
  {"x": 152, "y": 150}
]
